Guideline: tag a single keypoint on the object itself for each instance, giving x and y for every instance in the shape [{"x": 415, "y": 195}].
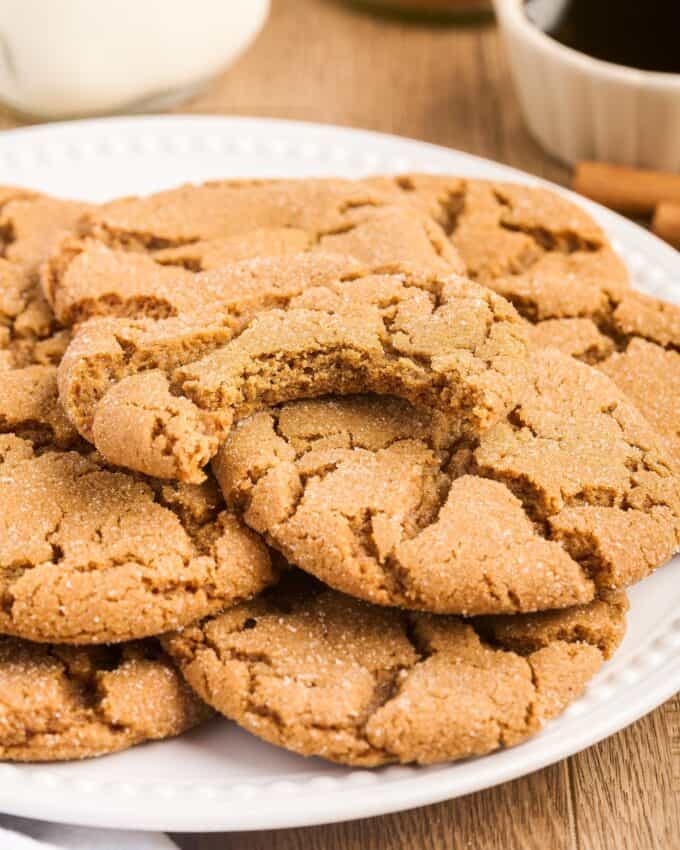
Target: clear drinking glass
[{"x": 68, "y": 58}]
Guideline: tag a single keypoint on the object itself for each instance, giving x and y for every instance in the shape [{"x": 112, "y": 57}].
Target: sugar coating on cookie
[
  {"x": 64, "y": 702},
  {"x": 570, "y": 494},
  {"x": 637, "y": 346},
  {"x": 556, "y": 265},
  {"x": 322, "y": 674},
  {"x": 178, "y": 225},
  {"x": 640, "y": 315},
  {"x": 226, "y": 208},
  {"x": 650, "y": 377},
  {"x": 633, "y": 315},
  {"x": 646, "y": 364},
  {"x": 577, "y": 337},
  {"x": 437, "y": 340},
  {"x": 30, "y": 225},
  {"x": 199, "y": 319},
  {"x": 30, "y": 408},
  {"x": 93, "y": 555},
  {"x": 530, "y": 244},
  {"x": 29, "y": 333},
  {"x": 136, "y": 257}
]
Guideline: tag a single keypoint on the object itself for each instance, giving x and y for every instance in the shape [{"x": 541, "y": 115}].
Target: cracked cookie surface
[
  {"x": 536, "y": 248},
  {"x": 218, "y": 209},
  {"x": 571, "y": 494},
  {"x": 437, "y": 340},
  {"x": 29, "y": 226},
  {"x": 650, "y": 377},
  {"x": 107, "y": 349},
  {"x": 533, "y": 246},
  {"x": 30, "y": 408},
  {"x": 152, "y": 256},
  {"x": 555, "y": 264},
  {"x": 530, "y": 244},
  {"x": 93, "y": 555},
  {"x": 322, "y": 674},
  {"x": 638, "y": 347},
  {"x": 64, "y": 702}
]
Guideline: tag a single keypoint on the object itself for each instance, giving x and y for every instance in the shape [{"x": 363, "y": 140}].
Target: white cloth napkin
[{"x": 24, "y": 834}]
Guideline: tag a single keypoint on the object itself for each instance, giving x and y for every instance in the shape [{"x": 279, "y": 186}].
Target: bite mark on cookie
[
  {"x": 436, "y": 340},
  {"x": 577, "y": 495}
]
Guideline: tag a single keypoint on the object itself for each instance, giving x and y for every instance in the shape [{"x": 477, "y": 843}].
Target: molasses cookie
[
  {"x": 536, "y": 248},
  {"x": 638, "y": 347},
  {"x": 436, "y": 340},
  {"x": 29, "y": 226},
  {"x": 89, "y": 554},
  {"x": 66, "y": 702},
  {"x": 322, "y": 674},
  {"x": 571, "y": 494},
  {"x": 139, "y": 257}
]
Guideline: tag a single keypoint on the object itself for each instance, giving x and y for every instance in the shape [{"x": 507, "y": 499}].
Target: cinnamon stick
[
  {"x": 666, "y": 222},
  {"x": 634, "y": 191}
]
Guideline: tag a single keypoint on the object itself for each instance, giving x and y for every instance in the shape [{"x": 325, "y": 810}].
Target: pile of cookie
[{"x": 364, "y": 466}]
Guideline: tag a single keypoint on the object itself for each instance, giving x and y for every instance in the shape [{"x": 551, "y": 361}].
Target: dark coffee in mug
[{"x": 642, "y": 34}]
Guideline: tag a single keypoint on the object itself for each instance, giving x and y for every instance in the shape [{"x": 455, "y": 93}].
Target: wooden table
[{"x": 319, "y": 60}]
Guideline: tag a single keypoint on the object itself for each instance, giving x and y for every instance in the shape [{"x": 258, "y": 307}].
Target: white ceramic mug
[
  {"x": 65, "y": 58},
  {"x": 579, "y": 107}
]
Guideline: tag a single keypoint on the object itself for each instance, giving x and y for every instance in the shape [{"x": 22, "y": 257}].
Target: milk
[{"x": 64, "y": 58}]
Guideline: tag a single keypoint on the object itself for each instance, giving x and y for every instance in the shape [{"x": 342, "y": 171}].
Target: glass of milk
[{"x": 70, "y": 58}]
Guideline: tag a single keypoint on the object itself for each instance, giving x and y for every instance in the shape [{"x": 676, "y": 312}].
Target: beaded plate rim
[{"x": 105, "y": 157}]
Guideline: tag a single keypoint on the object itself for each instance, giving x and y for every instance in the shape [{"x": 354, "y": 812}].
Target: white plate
[{"x": 220, "y": 778}]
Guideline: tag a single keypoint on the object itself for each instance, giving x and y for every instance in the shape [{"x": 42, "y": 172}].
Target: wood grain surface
[{"x": 320, "y": 60}]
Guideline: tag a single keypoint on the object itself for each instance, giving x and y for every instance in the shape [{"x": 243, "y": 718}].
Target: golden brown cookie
[
  {"x": 140, "y": 257},
  {"x": 436, "y": 340},
  {"x": 639, "y": 315},
  {"x": 578, "y": 338},
  {"x": 65, "y": 702},
  {"x": 554, "y": 263},
  {"x": 30, "y": 408},
  {"x": 633, "y": 315},
  {"x": 638, "y": 347},
  {"x": 647, "y": 333},
  {"x": 531, "y": 245},
  {"x": 221, "y": 209},
  {"x": 650, "y": 377},
  {"x": 28, "y": 331},
  {"x": 90, "y": 554},
  {"x": 571, "y": 494},
  {"x": 9, "y": 193},
  {"x": 132, "y": 286},
  {"x": 93, "y": 555},
  {"x": 29, "y": 226},
  {"x": 107, "y": 350},
  {"x": 319, "y": 673}
]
